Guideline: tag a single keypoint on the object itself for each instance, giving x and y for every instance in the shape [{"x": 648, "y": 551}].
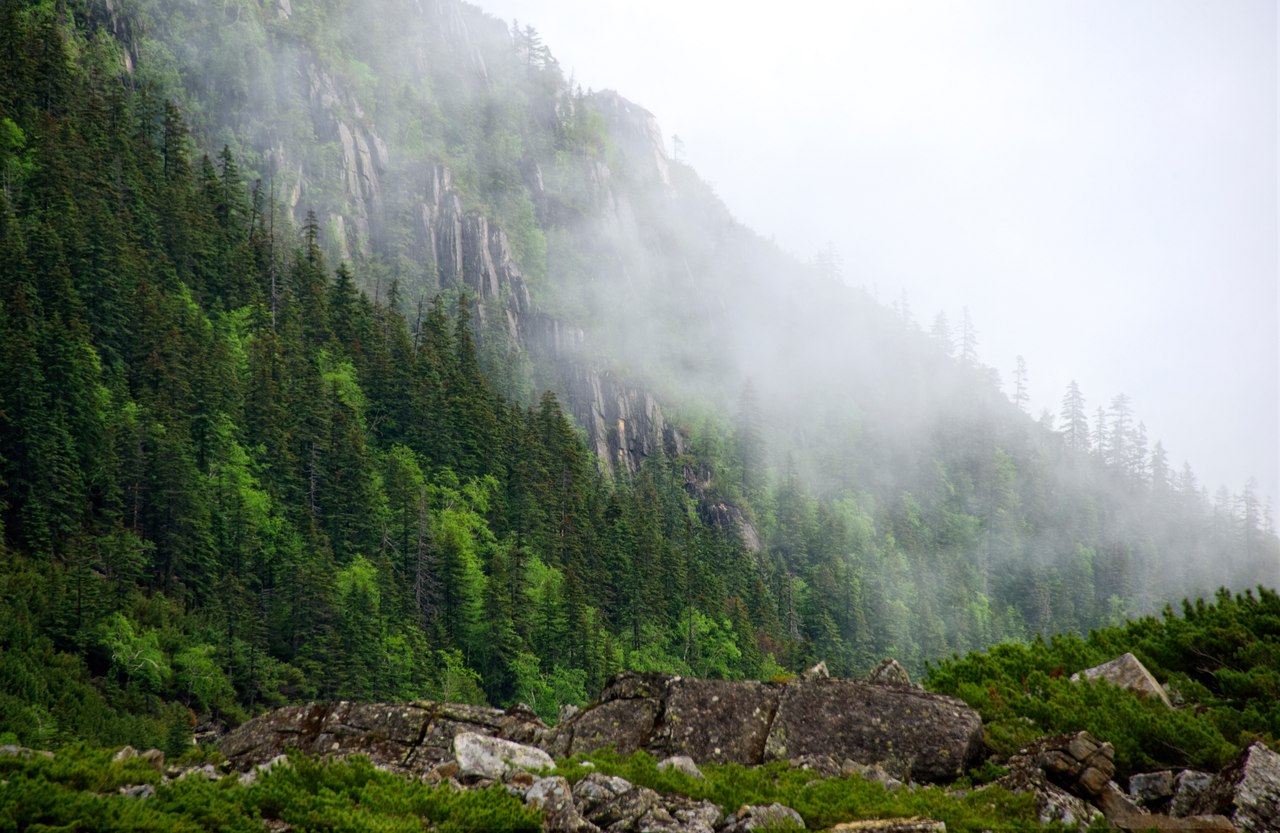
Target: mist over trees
[{"x": 272, "y": 431}]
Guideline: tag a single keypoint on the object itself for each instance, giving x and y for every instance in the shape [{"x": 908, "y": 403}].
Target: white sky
[{"x": 1095, "y": 179}]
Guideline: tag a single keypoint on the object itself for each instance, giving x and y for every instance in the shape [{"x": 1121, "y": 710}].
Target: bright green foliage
[
  {"x": 1219, "y": 657},
  {"x": 77, "y": 790}
]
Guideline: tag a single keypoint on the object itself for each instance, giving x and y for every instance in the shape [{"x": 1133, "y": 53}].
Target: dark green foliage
[
  {"x": 1219, "y": 657},
  {"x": 78, "y": 790}
]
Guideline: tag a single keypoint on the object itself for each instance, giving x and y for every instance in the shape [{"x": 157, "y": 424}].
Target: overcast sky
[{"x": 1095, "y": 179}]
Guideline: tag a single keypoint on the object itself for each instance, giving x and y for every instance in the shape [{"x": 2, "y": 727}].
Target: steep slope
[{"x": 225, "y": 466}]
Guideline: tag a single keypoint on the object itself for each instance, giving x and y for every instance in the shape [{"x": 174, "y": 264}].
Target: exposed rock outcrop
[
  {"x": 908, "y": 732},
  {"x": 403, "y": 737},
  {"x": 1247, "y": 791},
  {"x": 1125, "y": 671}
]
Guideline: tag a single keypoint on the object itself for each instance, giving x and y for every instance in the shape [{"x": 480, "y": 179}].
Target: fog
[{"x": 1096, "y": 183}]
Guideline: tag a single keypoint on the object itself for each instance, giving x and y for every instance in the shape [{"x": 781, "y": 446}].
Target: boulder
[
  {"x": 681, "y": 763},
  {"x": 911, "y": 825},
  {"x": 910, "y": 733},
  {"x": 1123, "y": 814},
  {"x": 1054, "y": 803},
  {"x": 716, "y": 720},
  {"x": 1247, "y": 791},
  {"x": 483, "y": 756},
  {"x": 761, "y": 816},
  {"x": 626, "y": 725},
  {"x": 1188, "y": 786},
  {"x": 889, "y": 672},
  {"x": 1126, "y": 672},
  {"x": 1152, "y": 790},
  {"x": 554, "y": 798},
  {"x": 412, "y": 738}
]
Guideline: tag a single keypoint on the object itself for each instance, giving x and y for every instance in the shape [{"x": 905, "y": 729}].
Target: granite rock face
[
  {"x": 402, "y": 737},
  {"x": 1247, "y": 791},
  {"x": 911, "y": 733},
  {"x": 1125, "y": 671}
]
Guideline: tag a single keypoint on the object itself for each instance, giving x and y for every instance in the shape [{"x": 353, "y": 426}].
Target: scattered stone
[
  {"x": 911, "y": 825},
  {"x": 1247, "y": 791},
  {"x": 1125, "y": 671},
  {"x": 482, "y": 756},
  {"x": 1188, "y": 787},
  {"x": 154, "y": 757},
  {"x": 1079, "y": 763},
  {"x": 559, "y": 814},
  {"x": 138, "y": 791},
  {"x": 618, "y": 805},
  {"x": 208, "y": 772},
  {"x": 125, "y": 754},
  {"x": 1152, "y": 790},
  {"x": 758, "y": 816},
  {"x": 874, "y": 772},
  {"x": 889, "y": 672},
  {"x": 681, "y": 763},
  {"x": 252, "y": 775},
  {"x": 1054, "y": 803}
]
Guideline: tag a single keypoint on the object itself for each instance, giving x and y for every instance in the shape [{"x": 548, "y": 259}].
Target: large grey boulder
[
  {"x": 1125, "y": 671},
  {"x": 764, "y": 816},
  {"x": 911, "y": 733},
  {"x": 483, "y": 756},
  {"x": 1247, "y": 791},
  {"x": 908, "y": 732}
]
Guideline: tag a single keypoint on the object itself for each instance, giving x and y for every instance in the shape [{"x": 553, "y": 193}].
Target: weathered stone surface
[
  {"x": 681, "y": 763},
  {"x": 1079, "y": 763},
  {"x": 626, "y": 725},
  {"x": 1247, "y": 791},
  {"x": 617, "y": 805},
  {"x": 926, "y": 737},
  {"x": 559, "y": 814},
  {"x": 1152, "y": 790},
  {"x": 404, "y": 737},
  {"x": 817, "y": 672},
  {"x": 12, "y": 750},
  {"x": 759, "y": 816},
  {"x": 1125, "y": 671},
  {"x": 911, "y": 825},
  {"x": 889, "y": 672},
  {"x": 1189, "y": 786},
  {"x": 1053, "y": 802},
  {"x": 138, "y": 791},
  {"x": 1124, "y": 814},
  {"x": 716, "y": 720},
  {"x": 483, "y": 756}
]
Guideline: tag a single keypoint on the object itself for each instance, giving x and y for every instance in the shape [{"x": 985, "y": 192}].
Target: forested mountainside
[{"x": 291, "y": 296}]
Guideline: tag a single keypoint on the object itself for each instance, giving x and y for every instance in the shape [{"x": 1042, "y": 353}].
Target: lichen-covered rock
[
  {"x": 403, "y": 737},
  {"x": 554, "y": 798},
  {"x": 1125, "y": 671},
  {"x": 760, "y": 816},
  {"x": 889, "y": 672},
  {"x": 626, "y": 725},
  {"x": 483, "y": 756},
  {"x": 1188, "y": 787},
  {"x": 1152, "y": 790},
  {"x": 911, "y": 733},
  {"x": 1247, "y": 791},
  {"x": 716, "y": 720}
]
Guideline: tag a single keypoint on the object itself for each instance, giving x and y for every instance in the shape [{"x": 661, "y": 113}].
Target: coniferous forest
[{"x": 250, "y": 456}]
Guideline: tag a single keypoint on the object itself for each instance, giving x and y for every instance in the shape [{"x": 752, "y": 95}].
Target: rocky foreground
[{"x": 884, "y": 729}]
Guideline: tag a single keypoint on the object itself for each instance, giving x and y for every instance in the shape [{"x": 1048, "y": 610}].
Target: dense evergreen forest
[{"x": 250, "y": 456}]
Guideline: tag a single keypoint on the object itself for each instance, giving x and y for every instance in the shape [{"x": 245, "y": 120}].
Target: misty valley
[{"x": 379, "y": 404}]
